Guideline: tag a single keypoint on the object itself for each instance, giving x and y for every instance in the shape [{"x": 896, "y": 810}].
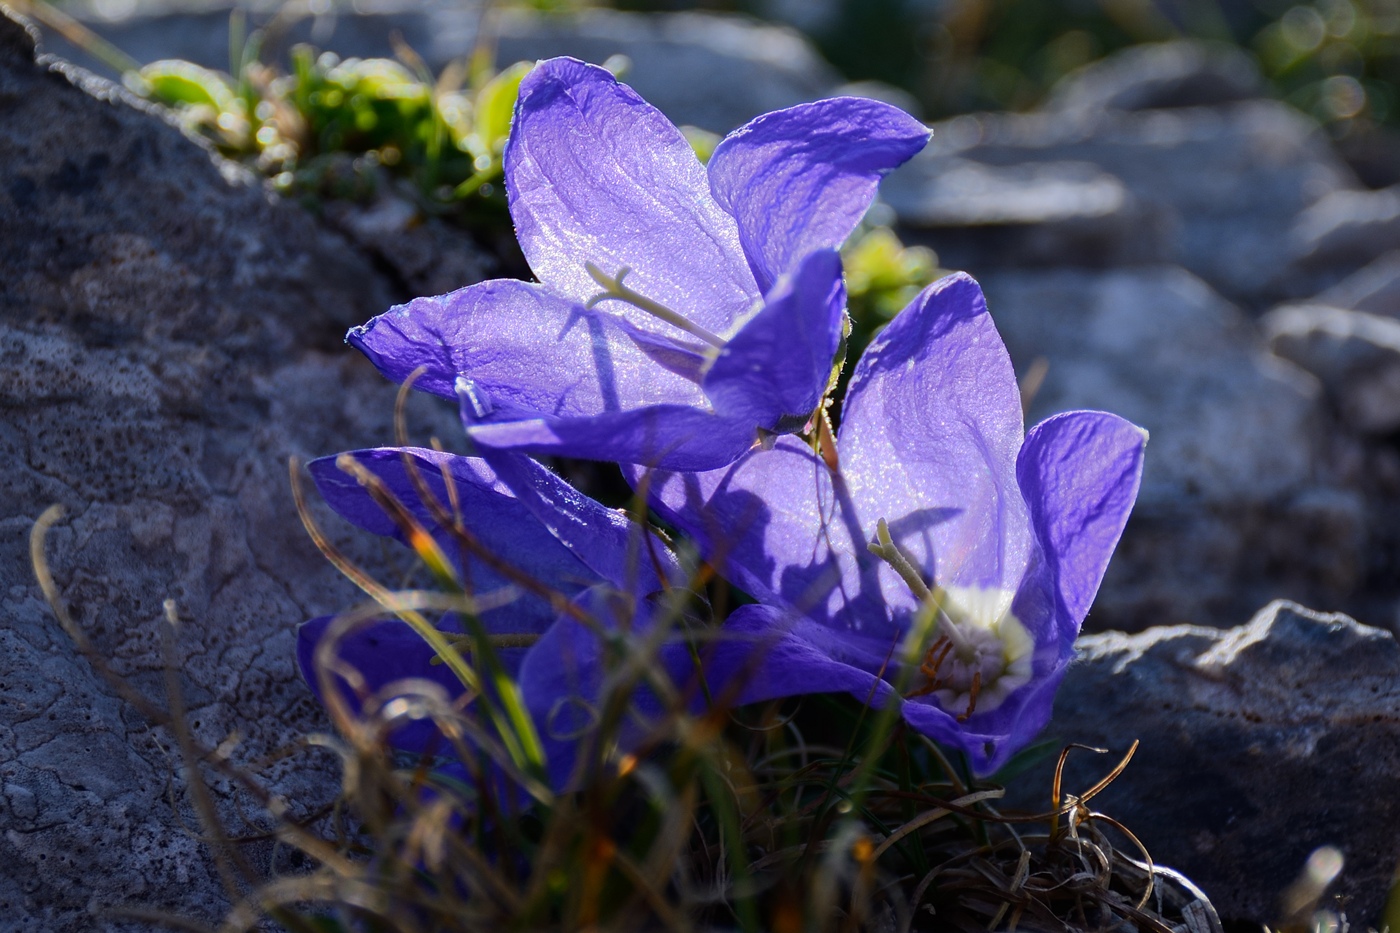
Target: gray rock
[
  {"x": 1347, "y": 229},
  {"x": 159, "y": 326},
  {"x": 1160, "y": 75},
  {"x": 712, "y": 71},
  {"x": 709, "y": 70},
  {"x": 1235, "y": 438},
  {"x": 1356, "y": 356},
  {"x": 1041, "y": 213},
  {"x": 962, "y": 193},
  {"x": 1259, "y": 744},
  {"x": 1156, "y": 345},
  {"x": 426, "y": 256},
  {"x": 1218, "y": 188},
  {"x": 1375, "y": 288}
]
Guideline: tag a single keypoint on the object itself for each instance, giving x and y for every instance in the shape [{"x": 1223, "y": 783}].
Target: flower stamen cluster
[{"x": 971, "y": 647}]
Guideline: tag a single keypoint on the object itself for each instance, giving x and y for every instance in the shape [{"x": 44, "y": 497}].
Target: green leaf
[
  {"x": 185, "y": 83},
  {"x": 702, "y": 142},
  {"x": 495, "y": 106}
]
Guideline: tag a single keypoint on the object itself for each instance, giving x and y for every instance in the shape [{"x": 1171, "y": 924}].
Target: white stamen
[{"x": 971, "y": 651}]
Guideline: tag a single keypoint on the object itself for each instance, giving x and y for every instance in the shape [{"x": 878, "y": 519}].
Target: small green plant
[
  {"x": 883, "y": 275},
  {"x": 333, "y": 128}
]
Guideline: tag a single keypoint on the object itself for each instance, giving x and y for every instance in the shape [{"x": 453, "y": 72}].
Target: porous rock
[
  {"x": 1356, "y": 356},
  {"x": 165, "y": 338},
  {"x": 1259, "y": 744},
  {"x": 1235, "y": 434}
]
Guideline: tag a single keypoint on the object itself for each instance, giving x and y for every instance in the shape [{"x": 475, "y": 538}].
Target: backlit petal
[
  {"x": 800, "y": 179},
  {"x": 491, "y": 513},
  {"x": 929, "y": 436},
  {"x": 596, "y": 174},
  {"x": 1080, "y": 473},
  {"x": 775, "y": 369},
  {"x": 674, "y": 437},
  {"x": 527, "y": 351}
]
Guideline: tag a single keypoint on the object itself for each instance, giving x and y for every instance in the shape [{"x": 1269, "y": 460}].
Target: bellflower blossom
[
  {"x": 683, "y": 311},
  {"x": 948, "y": 554},
  {"x": 543, "y": 530}
]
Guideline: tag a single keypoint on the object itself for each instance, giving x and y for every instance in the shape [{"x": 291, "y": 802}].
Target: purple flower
[
  {"x": 949, "y": 558},
  {"x": 536, "y": 543},
  {"x": 682, "y": 311}
]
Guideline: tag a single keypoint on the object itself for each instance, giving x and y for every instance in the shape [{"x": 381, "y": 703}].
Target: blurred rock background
[{"x": 1184, "y": 212}]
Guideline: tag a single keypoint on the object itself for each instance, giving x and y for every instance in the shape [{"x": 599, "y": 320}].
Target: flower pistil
[{"x": 980, "y": 651}]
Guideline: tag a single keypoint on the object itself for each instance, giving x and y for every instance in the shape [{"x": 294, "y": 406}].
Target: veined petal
[
  {"x": 1079, "y": 472},
  {"x": 597, "y": 175},
  {"x": 800, "y": 179},
  {"x": 776, "y": 524},
  {"x": 490, "y": 511},
  {"x": 613, "y": 546},
  {"x": 929, "y": 436},
  {"x": 527, "y": 350},
  {"x": 775, "y": 369},
  {"x": 673, "y": 437}
]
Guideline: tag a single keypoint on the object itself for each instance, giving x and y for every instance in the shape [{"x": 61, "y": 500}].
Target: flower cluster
[{"x": 930, "y": 556}]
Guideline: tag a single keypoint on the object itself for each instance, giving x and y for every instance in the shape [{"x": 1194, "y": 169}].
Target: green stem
[{"x": 613, "y": 288}]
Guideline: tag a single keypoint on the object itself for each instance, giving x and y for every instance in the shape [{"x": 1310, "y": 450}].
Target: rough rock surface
[
  {"x": 709, "y": 70},
  {"x": 164, "y": 330},
  {"x": 1259, "y": 744},
  {"x": 1355, "y": 354},
  {"x": 1235, "y": 450}
]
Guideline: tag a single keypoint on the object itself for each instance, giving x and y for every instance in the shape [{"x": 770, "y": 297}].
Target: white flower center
[{"x": 980, "y": 652}]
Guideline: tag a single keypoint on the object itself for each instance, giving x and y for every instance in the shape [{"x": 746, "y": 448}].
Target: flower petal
[
  {"x": 673, "y": 437},
  {"x": 762, "y": 654},
  {"x": 991, "y": 739},
  {"x": 1079, "y": 472},
  {"x": 774, "y": 523},
  {"x": 800, "y": 179},
  {"x": 596, "y": 174},
  {"x": 930, "y": 432},
  {"x": 563, "y": 678},
  {"x": 383, "y": 653},
  {"x": 773, "y": 372},
  {"x": 502, "y": 523},
  {"x": 617, "y": 549},
  {"x": 526, "y": 350}
]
